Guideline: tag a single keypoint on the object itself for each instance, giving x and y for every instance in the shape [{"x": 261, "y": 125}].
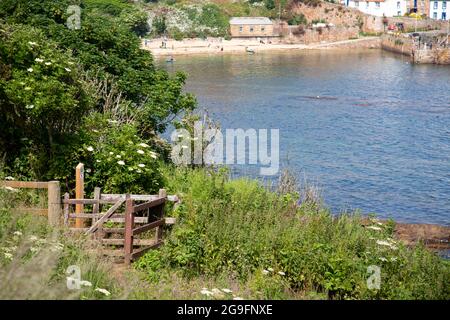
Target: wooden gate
[{"x": 134, "y": 219}]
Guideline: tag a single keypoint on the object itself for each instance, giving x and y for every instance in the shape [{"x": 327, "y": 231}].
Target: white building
[
  {"x": 388, "y": 8},
  {"x": 439, "y": 9}
]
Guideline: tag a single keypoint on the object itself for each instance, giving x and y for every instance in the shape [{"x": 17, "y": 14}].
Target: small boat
[
  {"x": 170, "y": 59},
  {"x": 251, "y": 51}
]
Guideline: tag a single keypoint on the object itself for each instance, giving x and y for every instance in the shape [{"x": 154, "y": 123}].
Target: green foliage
[
  {"x": 297, "y": 20},
  {"x": 52, "y": 79},
  {"x": 239, "y": 229},
  {"x": 159, "y": 24},
  {"x": 117, "y": 159}
]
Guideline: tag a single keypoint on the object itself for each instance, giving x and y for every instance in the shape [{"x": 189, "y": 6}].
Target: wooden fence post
[
  {"x": 159, "y": 231},
  {"x": 54, "y": 203},
  {"x": 129, "y": 225},
  {"x": 79, "y": 193}
]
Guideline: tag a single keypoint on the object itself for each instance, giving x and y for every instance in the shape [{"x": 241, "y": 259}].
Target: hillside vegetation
[{"x": 91, "y": 95}]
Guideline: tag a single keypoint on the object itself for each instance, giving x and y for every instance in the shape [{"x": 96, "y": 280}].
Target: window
[
  {"x": 434, "y": 15},
  {"x": 398, "y": 4},
  {"x": 435, "y": 5},
  {"x": 444, "y": 5},
  {"x": 263, "y": 28},
  {"x": 377, "y": 4},
  {"x": 367, "y": 4},
  {"x": 251, "y": 28},
  {"x": 399, "y": 13},
  {"x": 241, "y": 28},
  {"x": 444, "y": 16},
  {"x": 356, "y": 3}
]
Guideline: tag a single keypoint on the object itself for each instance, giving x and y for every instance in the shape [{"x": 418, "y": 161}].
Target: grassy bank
[{"x": 234, "y": 235}]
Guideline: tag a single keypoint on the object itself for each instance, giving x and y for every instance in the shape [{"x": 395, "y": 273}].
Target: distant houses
[
  {"x": 388, "y": 8},
  {"x": 439, "y": 10},
  {"x": 251, "y": 27}
]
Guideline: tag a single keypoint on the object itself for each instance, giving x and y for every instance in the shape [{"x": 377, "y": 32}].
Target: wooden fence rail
[{"x": 53, "y": 197}]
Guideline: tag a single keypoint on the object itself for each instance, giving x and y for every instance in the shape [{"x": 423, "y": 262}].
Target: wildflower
[
  {"x": 27, "y": 89},
  {"x": 38, "y": 60},
  {"x": 33, "y": 238},
  {"x": 281, "y": 273},
  {"x": 122, "y": 163},
  {"x": 387, "y": 244},
  {"x": 238, "y": 298},
  {"x": 153, "y": 155},
  {"x": 104, "y": 291},
  {"x": 141, "y": 165},
  {"x": 379, "y": 223},
  {"x": 270, "y": 269},
  {"x": 374, "y": 228},
  {"x": 227, "y": 290},
  {"x": 265, "y": 271},
  {"x": 8, "y": 256},
  {"x": 144, "y": 145},
  {"x": 206, "y": 292},
  {"x": 11, "y": 189},
  {"x": 130, "y": 169},
  {"x": 85, "y": 283},
  {"x": 32, "y": 43},
  {"x": 139, "y": 171},
  {"x": 17, "y": 233},
  {"x": 88, "y": 170},
  {"x": 90, "y": 149},
  {"x": 382, "y": 259},
  {"x": 140, "y": 151},
  {"x": 95, "y": 130},
  {"x": 118, "y": 156},
  {"x": 48, "y": 63},
  {"x": 67, "y": 69},
  {"x": 34, "y": 249},
  {"x": 30, "y": 69},
  {"x": 111, "y": 153},
  {"x": 393, "y": 259},
  {"x": 98, "y": 161}
]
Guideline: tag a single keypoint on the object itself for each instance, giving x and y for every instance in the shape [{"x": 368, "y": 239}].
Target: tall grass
[
  {"x": 282, "y": 247},
  {"x": 34, "y": 257}
]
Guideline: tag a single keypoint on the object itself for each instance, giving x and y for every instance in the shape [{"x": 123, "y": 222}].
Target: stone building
[{"x": 249, "y": 27}]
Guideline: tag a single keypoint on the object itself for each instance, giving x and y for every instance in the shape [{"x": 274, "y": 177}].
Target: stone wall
[
  {"x": 399, "y": 44},
  {"x": 375, "y": 24},
  {"x": 294, "y": 34}
]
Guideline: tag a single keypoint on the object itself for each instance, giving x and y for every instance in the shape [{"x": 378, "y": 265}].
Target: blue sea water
[{"x": 370, "y": 128}]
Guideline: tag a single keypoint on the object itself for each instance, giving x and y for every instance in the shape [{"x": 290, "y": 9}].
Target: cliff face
[{"x": 331, "y": 13}]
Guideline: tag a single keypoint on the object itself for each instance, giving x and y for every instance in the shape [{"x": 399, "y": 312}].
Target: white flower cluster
[{"x": 218, "y": 293}]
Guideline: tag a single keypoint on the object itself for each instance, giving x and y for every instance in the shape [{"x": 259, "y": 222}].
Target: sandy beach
[{"x": 219, "y": 46}]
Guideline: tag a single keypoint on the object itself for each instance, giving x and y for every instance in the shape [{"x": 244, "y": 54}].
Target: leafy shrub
[
  {"x": 238, "y": 228},
  {"x": 298, "y": 19}
]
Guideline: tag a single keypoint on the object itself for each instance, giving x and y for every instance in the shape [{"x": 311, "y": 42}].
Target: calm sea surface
[{"x": 371, "y": 129}]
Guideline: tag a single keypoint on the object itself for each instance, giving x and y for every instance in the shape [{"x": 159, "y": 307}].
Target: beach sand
[{"x": 218, "y": 46}]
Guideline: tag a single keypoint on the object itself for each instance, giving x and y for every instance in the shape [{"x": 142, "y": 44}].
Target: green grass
[
  {"x": 236, "y": 229},
  {"x": 230, "y": 234},
  {"x": 34, "y": 257}
]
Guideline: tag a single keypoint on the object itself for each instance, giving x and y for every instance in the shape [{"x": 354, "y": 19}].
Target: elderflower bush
[{"x": 117, "y": 160}]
